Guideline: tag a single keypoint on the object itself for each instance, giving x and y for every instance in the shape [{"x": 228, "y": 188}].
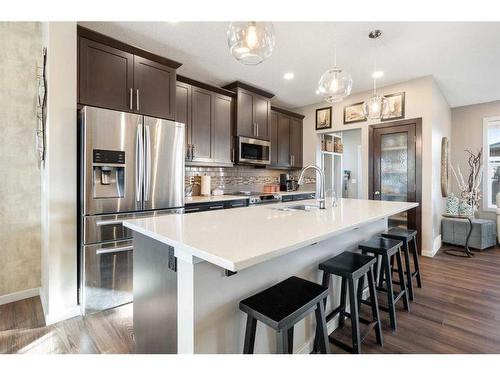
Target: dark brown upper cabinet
[
  {"x": 117, "y": 76},
  {"x": 154, "y": 86},
  {"x": 274, "y": 138},
  {"x": 207, "y": 112},
  {"x": 202, "y": 125},
  {"x": 286, "y": 139},
  {"x": 253, "y": 111},
  {"x": 106, "y": 76}
]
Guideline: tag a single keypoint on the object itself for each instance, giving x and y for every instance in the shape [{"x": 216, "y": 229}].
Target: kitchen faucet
[{"x": 322, "y": 183}]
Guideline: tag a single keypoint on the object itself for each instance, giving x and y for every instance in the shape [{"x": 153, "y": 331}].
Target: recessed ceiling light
[
  {"x": 317, "y": 92},
  {"x": 288, "y": 75},
  {"x": 377, "y": 74}
]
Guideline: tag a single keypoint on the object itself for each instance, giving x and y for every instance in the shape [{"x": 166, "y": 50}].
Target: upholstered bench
[{"x": 454, "y": 231}]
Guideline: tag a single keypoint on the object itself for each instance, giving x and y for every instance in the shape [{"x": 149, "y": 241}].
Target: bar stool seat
[
  {"x": 388, "y": 248},
  {"x": 280, "y": 307},
  {"x": 352, "y": 267},
  {"x": 407, "y": 236}
]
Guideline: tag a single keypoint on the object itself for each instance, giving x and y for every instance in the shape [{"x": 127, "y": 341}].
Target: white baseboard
[
  {"x": 18, "y": 296},
  {"x": 436, "y": 245},
  {"x": 62, "y": 315},
  {"x": 51, "y": 318}
]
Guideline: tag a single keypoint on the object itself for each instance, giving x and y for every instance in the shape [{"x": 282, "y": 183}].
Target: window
[{"x": 491, "y": 149}]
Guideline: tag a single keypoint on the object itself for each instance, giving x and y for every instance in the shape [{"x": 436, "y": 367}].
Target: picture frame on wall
[
  {"x": 354, "y": 113},
  {"x": 396, "y": 103},
  {"x": 323, "y": 118}
]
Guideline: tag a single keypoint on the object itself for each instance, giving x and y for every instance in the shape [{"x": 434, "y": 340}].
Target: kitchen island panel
[{"x": 219, "y": 325}]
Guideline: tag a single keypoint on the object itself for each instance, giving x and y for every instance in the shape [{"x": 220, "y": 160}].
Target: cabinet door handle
[
  {"x": 137, "y": 99},
  {"x": 192, "y": 152},
  {"x": 188, "y": 152},
  {"x": 216, "y": 207},
  {"x": 131, "y": 99},
  {"x": 257, "y": 129}
]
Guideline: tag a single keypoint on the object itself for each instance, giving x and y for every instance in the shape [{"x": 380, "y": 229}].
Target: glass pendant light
[
  {"x": 376, "y": 106},
  {"x": 251, "y": 42},
  {"x": 334, "y": 85}
]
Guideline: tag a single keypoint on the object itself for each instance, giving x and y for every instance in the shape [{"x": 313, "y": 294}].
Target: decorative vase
[
  {"x": 452, "y": 204},
  {"x": 464, "y": 208}
]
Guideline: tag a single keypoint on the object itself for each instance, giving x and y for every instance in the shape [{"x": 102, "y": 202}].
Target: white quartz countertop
[{"x": 238, "y": 238}]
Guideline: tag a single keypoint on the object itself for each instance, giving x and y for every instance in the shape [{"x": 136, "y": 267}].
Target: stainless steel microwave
[{"x": 253, "y": 151}]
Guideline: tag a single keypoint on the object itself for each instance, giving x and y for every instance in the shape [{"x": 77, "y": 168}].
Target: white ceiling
[{"x": 463, "y": 57}]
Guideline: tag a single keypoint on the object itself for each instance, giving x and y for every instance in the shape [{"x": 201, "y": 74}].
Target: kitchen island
[{"x": 191, "y": 270}]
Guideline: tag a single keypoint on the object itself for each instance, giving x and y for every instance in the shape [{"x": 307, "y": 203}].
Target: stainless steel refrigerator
[{"x": 130, "y": 166}]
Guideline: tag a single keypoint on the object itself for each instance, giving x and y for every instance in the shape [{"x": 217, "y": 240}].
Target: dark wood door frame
[{"x": 418, "y": 167}]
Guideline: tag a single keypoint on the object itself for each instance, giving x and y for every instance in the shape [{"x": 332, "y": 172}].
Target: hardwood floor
[{"x": 457, "y": 311}]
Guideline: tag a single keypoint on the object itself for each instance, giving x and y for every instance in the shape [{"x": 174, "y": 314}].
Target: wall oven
[{"x": 253, "y": 151}]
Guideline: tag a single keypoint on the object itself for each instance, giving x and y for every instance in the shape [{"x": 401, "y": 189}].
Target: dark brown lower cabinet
[
  {"x": 208, "y": 117},
  {"x": 396, "y": 168}
]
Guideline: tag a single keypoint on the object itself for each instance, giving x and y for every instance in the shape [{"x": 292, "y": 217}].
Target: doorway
[
  {"x": 395, "y": 169},
  {"x": 352, "y": 180}
]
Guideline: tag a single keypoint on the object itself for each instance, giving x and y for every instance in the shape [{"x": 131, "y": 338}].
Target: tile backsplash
[{"x": 243, "y": 177}]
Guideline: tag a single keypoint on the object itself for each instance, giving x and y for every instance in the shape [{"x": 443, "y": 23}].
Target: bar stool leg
[
  {"x": 386, "y": 264},
  {"x": 356, "y": 344},
  {"x": 415, "y": 261},
  {"x": 361, "y": 284},
  {"x": 282, "y": 341},
  {"x": 250, "y": 335},
  {"x": 321, "y": 331},
  {"x": 402, "y": 282},
  {"x": 409, "y": 279},
  {"x": 343, "y": 292},
  {"x": 290, "y": 340},
  {"x": 374, "y": 305}
]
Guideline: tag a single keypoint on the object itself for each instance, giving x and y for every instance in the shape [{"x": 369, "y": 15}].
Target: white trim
[
  {"x": 19, "y": 295},
  {"x": 436, "y": 245},
  {"x": 486, "y": 185},
  {"x": 62, "y": 315},
  {"x": 68, "y": 313}
]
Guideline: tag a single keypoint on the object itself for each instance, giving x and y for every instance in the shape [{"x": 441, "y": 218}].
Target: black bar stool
[
  {"x": 407, "y": 236},
  {"x": 352, "y": 267},
  {"x": 281, "y": 307},
  {"x": 387, "y": 248}
]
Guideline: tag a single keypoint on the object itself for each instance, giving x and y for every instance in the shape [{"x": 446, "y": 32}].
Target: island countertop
[{"x": 238, "y": 238}]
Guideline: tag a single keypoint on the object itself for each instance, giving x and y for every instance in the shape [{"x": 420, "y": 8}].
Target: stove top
[
  {"x": 258, "y": 197},
  {"x": 248, "y": 193}
]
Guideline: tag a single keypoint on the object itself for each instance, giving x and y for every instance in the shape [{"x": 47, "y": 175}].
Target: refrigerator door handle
[
  {"x": 147, "y": 172},
  {"x": 114, "y": 250},
  {"x": 138, "y": 163}
]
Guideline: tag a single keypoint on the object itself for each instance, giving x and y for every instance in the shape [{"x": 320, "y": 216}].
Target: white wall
[
  {"x": 20, "y": 54},
  {"x": 59, "y": 244},
  {"x": 441, "y": 127},
  {"x": 467, "y": 133},
  {"x": 419, "y": 103}
]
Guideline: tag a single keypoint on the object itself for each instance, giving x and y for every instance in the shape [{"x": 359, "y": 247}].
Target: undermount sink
[{"x": 299, "y": 207}]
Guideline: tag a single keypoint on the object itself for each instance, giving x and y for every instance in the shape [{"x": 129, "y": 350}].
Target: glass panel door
[{"x": 394, "y": 172}]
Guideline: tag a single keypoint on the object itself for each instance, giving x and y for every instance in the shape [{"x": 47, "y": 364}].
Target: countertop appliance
[
  {"x": 287, "y": 183},
  {"x": 257, "y": 197},
  {"x": 130, "y": 166},
  {"x": 252, "y": 151}
]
